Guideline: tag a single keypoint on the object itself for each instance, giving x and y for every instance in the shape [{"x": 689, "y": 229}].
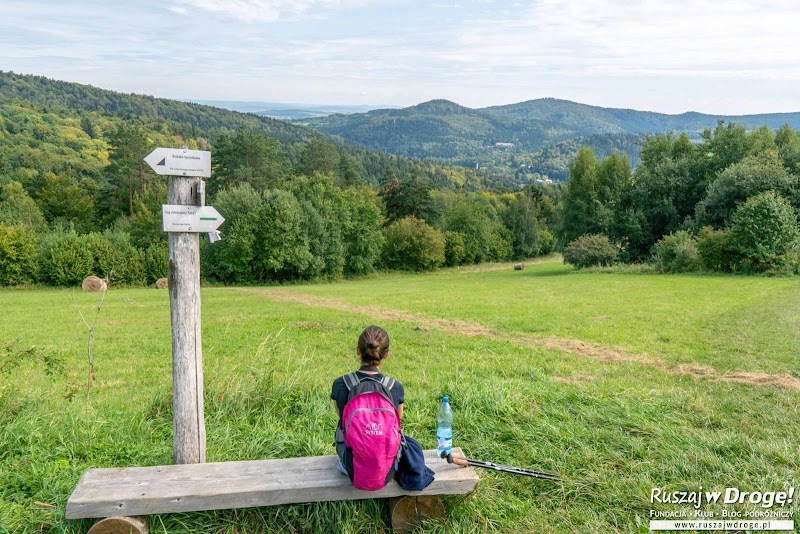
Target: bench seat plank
[{"x": 130, "y": 491}]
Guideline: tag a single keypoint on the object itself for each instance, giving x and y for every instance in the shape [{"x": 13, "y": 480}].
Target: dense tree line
[
  {"x": 728, "y": 202},
  {"x": 76, "y": 199}
]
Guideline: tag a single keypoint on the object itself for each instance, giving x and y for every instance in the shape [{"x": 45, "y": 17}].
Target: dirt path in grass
[{"x": 576, "y": 347}]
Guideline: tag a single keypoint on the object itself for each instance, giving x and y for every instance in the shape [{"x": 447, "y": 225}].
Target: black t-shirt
[{"x": 339, "y": 391}]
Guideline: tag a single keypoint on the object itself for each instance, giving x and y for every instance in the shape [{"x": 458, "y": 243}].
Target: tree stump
[
  {"x": 120, "y": 525},
  {"x": 406, "y": 512}
]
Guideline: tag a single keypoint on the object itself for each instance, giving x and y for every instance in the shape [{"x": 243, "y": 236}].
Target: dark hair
[{"x": 373, "y": 345}]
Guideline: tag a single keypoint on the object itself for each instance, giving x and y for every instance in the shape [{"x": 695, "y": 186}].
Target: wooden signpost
[{"x": 184, "y": 217}]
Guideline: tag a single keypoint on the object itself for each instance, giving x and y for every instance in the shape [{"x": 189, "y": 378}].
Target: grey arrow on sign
[
  {"x": 180, "y": 162},
  {"x": 190, "y": 218}
]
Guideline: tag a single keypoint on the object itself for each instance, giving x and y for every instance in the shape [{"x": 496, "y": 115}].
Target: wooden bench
[{"x": 122, "y": 494}]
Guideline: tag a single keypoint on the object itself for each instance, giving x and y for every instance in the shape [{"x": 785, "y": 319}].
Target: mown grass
[{"x": 612, "y": 430}]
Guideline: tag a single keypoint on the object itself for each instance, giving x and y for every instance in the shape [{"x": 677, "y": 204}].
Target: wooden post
[
  {"x": 120, "y": 525},
  {"x": 189, "y": 431}
]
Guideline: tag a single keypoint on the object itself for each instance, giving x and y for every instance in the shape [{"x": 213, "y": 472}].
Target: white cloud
[
  {"x": 271, "y": 10},
  {"x": 735, "y": 38}
]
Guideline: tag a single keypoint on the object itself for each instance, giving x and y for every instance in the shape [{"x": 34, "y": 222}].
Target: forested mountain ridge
[
  {"x": 589, "y": 119},
  {"x": 186, "y": 120},
  {"x": 440, "y": 130}
]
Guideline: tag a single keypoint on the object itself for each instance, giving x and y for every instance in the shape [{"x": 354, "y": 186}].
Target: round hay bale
[
  {"x": 162, "y": 283},
  {"x": 93, "y": 284},
  {"x": 519, "y": 266}
]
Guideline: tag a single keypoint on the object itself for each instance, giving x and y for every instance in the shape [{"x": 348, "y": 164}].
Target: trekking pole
[{"x": 497, "y": 467}]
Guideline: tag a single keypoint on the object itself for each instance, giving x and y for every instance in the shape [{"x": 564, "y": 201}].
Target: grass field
[{"x": 619, "y": 382}]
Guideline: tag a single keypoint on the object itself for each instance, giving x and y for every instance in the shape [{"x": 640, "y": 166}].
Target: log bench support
[
  {"x": 407, "y": 512},
  {"x": 125, "y": 496},
  {"x": 120, "y": 525}
]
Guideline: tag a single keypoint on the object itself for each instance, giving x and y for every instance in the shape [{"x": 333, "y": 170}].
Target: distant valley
[{"x": 284, "y": 111}]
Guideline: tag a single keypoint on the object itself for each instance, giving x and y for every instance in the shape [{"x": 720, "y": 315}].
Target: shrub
[
  {"x": 740, "y": 182},
  {"x": 64, "y": 259},
  {"x": 547, "y": 241},
  {"x": 156, "y": 262},
  {"x": 590, "y": 250},
  {"x": 236, "y": 202},
  {"x": 17, "y": 255},
  {"x": 454, "y": 248},
  {"x": 485, "y": 237},
  {"x": 114, "y": 255},
  {"x": 500, "y": 247},
  {"x": 763, "y": 230},
  {"x": 231, "y": 259},
  {"x": 715, "y": 250},
  {"x": 413, "y": 245},
  {"x": 676, "y": 253}
]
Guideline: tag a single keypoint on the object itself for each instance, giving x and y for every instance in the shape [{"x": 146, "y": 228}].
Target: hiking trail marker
[
  {"x": 185, "y": 216},
  {"x": 190, "y": 218},
  {"x": 180, "y": 162}
]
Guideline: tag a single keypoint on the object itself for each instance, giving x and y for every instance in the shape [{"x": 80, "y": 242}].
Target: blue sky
[{"x": 727, "y": 57}]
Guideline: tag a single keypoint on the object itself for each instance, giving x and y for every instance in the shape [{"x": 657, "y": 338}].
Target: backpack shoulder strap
[
  {"x": 350, "y": 380},
  {"x": 388, "y": 382}
]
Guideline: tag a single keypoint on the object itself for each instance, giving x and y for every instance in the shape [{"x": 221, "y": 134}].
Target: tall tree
[
  {"x": 64, "y": 200},
  {"x": 613, "y": 182},
  {"x": 318, "y": 156},
  {"x": 580, "y": 200},
  {"x": 410, "y": 196},
  {"x": 127, "y": 172},
  {"x": 248, "y": 157},
  {"x": 522, "y": 218},
  {"x": 787, "y": 140}
]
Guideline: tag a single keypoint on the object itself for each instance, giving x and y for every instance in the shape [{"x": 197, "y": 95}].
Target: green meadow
[{"x": 619, "y": 382}]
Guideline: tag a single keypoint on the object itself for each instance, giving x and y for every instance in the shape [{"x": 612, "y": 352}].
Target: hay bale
[
  {"x": 519, "y": 266},
  {"x": 162, "y": 283},
  {"x": 93, "y": 284}
]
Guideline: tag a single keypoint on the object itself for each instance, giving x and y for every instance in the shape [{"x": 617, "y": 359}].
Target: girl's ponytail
[{"x": 373, "y": 345}]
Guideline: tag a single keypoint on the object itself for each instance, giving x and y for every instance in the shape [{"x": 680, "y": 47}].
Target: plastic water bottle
[{"x": 444, "y": 428}]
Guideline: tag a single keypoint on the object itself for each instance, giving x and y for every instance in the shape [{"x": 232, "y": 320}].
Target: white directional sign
[
  {"x": 180, "y": 162},
  {"x": 190, "y": 218}
]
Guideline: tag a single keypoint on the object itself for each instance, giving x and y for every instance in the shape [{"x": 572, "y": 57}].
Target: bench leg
[
  {"x": 406, "y": 512},
  {"x": 121, "y": 525}
]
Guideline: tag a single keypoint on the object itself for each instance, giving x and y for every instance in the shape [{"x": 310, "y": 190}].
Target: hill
[
  {"x": 439, "y": 129},
  {"x": 445, "y": 131},
  {"x": 72, "y": 102},
  {"x": 595, "y": 119}
]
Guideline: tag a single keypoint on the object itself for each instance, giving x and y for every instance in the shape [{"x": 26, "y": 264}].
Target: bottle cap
[{"x": 445, "y": 399}]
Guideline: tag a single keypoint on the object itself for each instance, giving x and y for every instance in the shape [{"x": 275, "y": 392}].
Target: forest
[
  {"x": 76, "y": 198},
  {"x": 728, "y": 203}
]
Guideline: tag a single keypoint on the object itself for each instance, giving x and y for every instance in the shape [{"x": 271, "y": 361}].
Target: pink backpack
[{"x": 371, "y": 426}]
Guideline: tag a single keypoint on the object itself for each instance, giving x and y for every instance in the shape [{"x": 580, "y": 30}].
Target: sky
[{"x": 724, "y": 57}]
